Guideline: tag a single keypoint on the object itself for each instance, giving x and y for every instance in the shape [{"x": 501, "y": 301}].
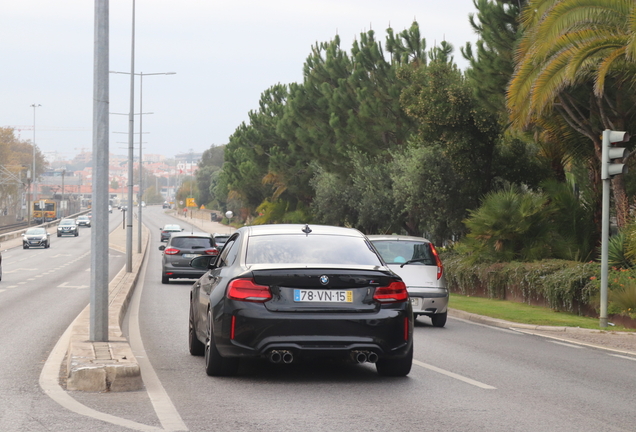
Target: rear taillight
[
  {"x": 395, "y": 292},
  {"x": 438, "y": 262},
  {"x": 212, "y": 251},
  {"x": 247, "y": 290},
  {"x": 171, "y": 251}
]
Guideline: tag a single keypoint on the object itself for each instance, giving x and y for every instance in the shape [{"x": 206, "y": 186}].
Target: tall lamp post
[
  {"x": 34, "y": 185},
  {"x": 141, "y": 113},
  {"x": 141, "y": 176}
]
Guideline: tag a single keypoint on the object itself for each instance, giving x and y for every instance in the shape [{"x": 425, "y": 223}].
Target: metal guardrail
[{"x": 15, "y": 234}]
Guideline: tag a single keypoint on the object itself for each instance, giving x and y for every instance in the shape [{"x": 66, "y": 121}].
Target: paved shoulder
[{"x": 624, "y": 342}]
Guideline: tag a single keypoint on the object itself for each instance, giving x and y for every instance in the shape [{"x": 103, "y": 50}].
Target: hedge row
[{"x": 562, "y": 285}]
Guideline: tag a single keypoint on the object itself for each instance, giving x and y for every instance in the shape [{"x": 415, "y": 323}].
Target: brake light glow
[
  {"x": 438, "y": 262},
  {"x": 233, "y": 327},
  {"x": 395, "y": 292},
  {"x": 212, "y": 251},
  {"x": 171, "y": 251},
  {"x": 248, "y": 290}
]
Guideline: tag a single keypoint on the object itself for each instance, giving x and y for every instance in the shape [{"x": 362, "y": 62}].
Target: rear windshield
[
  {"x": 399, "y": 252},
  {"x": 191, "y": 242},
  {"x": 312, "y": 249}
]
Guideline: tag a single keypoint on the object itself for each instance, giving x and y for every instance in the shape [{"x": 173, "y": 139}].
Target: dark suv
[
  {"x": 67, "y": 227},
  {"x": 180, "y": 250}
]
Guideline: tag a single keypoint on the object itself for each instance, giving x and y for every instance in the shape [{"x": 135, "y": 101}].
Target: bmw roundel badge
[{"x": 324, "y": 280}]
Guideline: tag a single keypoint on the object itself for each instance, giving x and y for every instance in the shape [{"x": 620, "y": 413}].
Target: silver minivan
[{"x": 417, "y": 262}]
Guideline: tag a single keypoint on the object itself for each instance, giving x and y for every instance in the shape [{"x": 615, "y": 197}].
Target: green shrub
[{"x": 563, "y": 285}]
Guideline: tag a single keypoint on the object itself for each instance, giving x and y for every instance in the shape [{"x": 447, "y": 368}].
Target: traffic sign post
[{"x": 609, "y": 168}]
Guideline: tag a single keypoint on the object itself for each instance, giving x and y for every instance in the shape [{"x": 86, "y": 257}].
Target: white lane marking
[
  {"x": 50, "y": 385},
  {"x": 624, "y": 357},
  {"x": 567, "y": 344},
  {"x": 21, "y": 270},
  {"x": 164, "y": 408},
  {"x": 454, "y": 375},
  {"x": 64, "y": 285},
  {"x": 2, "y": 290}
]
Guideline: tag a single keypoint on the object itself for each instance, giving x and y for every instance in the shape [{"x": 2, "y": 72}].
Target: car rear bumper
[
  {"x": 317, "y": 334},
  {"x": 428, "y": 301},
  {"x": 178, "y": 273}
]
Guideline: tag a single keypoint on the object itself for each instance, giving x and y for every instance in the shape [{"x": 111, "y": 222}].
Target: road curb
[{"x": 107, "y": 366}]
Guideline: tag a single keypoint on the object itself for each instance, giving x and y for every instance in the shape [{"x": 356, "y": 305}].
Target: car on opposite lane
[
  {"x": 36, "y": 237},
  {"x": 179, "y": 251},
  {"x": 416, "y": 260},
  {"x": 83, "y": 220},
  {"x": 67, "y": 227},
  {"x": 289, "y": 292},
  {"x": 168, "y": 230}
]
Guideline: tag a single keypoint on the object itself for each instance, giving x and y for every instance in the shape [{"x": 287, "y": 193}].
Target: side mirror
[
  {"x": 203, "y": 262},
  {"x": 162, "y": 247}
]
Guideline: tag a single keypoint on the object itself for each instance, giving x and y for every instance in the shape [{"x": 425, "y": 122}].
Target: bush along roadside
[{"x": 561, "y": 285}]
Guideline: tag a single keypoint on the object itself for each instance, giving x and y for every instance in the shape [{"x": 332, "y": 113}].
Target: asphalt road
[
  {"x": 466, "y": 377},
  {"x": 41, "y": 292}
]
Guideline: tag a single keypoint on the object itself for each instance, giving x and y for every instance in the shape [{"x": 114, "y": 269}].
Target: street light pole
[
  {"x": 131, "y": 124},
  {"x": 141, "y": 113},
  {"x": 33, "y": 182},
  {"x": 141, "y": 176}
]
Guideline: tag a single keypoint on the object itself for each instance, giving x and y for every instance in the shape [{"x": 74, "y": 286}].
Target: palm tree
[{"x": 578, "y": 58}]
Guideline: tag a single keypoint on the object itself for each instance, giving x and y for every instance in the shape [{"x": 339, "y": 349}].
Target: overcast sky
[{"x": 224, "y": 53}]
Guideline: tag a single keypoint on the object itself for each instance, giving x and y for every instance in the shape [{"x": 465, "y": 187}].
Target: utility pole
[{"x": 99, "y": 233}]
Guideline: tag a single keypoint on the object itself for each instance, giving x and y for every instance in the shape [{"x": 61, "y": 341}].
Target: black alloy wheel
[
  {"x": 439, "y": 320},
  {"x": 215, "y": 365},
  {"x": 395, "y": 367},
  {"x": 196, "y": 347}
]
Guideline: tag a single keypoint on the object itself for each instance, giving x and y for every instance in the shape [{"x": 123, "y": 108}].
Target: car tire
[
  {"x": 395, "y": 367},
  {"x": 76, "y": 233},
  {"x": 439, "y": 320},
  {"x": 165, "y": 279},
  {"x": 47, "y": 245},
  {"x": 25, "y": 247},
  {"x": 195, "y": 346},
  {"x": 215, "y": 365},
  {"x": 59, "y": 235}
]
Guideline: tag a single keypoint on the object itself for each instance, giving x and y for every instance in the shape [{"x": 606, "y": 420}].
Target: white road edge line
[
  {"x": 566, "y": 344},
  {"x": 164, "y": 408},
  {"x": 454, "y": 375},
  {"x": 49, "y": 381},
  {"x": 623, "y": 357}
]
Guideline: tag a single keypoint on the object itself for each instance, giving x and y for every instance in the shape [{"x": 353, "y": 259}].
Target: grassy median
[{"x": 523, "y": 313}]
